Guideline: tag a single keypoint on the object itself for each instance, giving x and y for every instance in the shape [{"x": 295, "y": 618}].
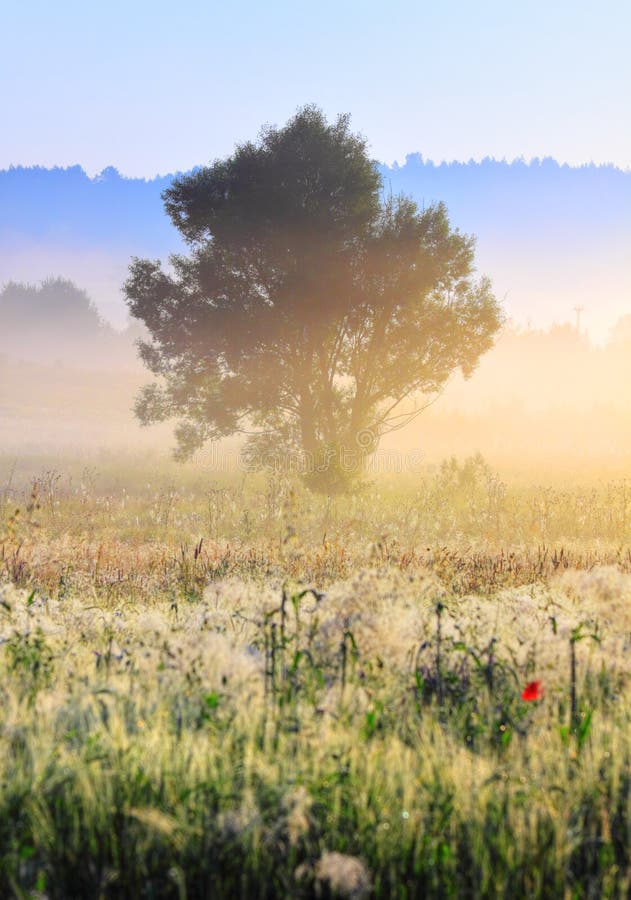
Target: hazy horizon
[
  {"x": 551, "y": 237},
  {"x": 95, "y": 174},
  {"x": 67, "y": 384}
]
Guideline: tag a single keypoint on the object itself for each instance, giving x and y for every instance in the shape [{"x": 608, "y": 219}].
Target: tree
[
  {"x": 56, "y": 305},
  {"x": 308, "y": 309},
  {"x": 56, "y": 321}
]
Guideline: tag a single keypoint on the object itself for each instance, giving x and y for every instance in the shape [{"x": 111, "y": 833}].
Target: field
[{"x": 220, "y": 685}]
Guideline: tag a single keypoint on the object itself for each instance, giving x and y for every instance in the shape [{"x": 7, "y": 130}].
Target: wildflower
[
  {"x": 341, "y": 875},
  {"x": 532, "y": 691}
]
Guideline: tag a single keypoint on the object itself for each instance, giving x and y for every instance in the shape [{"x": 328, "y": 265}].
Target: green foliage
[
  {"x": 308, "y": 310},
  {"x": 30, "y": 661}
]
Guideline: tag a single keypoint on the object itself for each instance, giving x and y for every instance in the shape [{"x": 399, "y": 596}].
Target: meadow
[{"x": 221, "y": 685}]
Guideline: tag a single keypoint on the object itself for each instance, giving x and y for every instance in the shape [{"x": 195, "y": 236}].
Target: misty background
[{"x": 554, "y": 239}]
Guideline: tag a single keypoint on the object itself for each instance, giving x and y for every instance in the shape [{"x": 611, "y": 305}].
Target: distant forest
[
  {"x": 491, "y": 194},
  {"x": 551, "y": 237},
  {"x": 56, "y": 322}
]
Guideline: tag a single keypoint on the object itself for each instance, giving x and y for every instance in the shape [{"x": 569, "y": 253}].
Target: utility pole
[{"x": 578, "y": 310}]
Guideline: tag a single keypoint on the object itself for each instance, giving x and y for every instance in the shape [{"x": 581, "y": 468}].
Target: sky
[{"x": 157, "y": 87}]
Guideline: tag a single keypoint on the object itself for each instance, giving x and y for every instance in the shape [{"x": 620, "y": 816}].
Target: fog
[{"x": 541, "y": 400}]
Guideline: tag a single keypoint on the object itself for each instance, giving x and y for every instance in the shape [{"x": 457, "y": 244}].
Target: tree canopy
[{"x": 309, "y": 308}]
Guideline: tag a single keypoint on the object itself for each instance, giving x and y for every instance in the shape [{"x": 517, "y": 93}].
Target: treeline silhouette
[
  {"x": 540, "y": 192},
  {"x": 38, "y": 201},
  {"x": 109, "y": 209},
  {"x": 56, "y": 322},
  {"x": 550, "y": 236}
]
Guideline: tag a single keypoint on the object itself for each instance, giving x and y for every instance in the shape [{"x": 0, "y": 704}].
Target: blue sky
[{"x": 157, "y": 87}]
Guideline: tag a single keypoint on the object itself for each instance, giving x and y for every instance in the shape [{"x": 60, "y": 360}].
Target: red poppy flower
[{"x": 532, "y": 691}]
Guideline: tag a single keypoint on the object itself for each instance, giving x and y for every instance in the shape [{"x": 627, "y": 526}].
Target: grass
[{"x": 234, "y": 689}]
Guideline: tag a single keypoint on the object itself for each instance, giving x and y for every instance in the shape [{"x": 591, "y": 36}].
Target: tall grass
[{"x": 328, "y": 704}]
